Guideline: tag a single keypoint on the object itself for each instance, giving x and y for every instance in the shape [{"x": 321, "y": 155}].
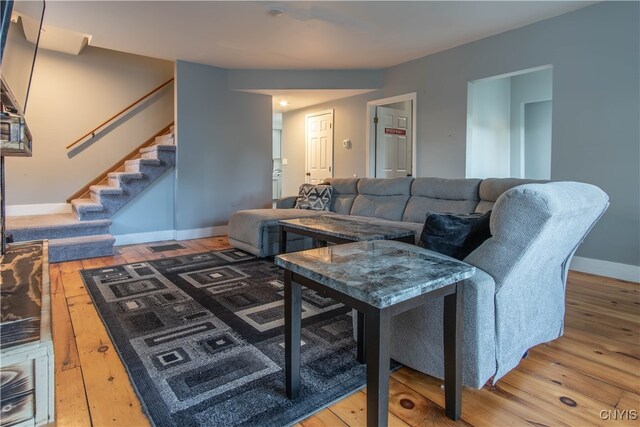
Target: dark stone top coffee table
[
  {"x": 379, "y": 279},
  {"x": 328, "y": 228}
]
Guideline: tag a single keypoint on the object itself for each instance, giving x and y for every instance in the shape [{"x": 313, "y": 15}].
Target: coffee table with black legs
[
  {"x": 339, "y": 230},
  {"x": 334, "y": 229},
  {"x": 379, "y": 279}
]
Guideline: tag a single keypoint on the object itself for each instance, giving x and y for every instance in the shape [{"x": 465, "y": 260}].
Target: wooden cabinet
[{"x": 26, "y": 346}]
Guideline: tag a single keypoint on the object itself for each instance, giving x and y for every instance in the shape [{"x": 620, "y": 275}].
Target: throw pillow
[
  {"x": 453, "y": 234},
  {"x": 314, "y": 197}
]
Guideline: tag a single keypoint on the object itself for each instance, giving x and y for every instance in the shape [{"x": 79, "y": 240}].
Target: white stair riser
[
  {"x": 139, "y": 165},
  {"x": 119, "y": 182},
  {"x": 95, "y": 195},
  {"x": 135, "y": 167},
  {"x": 165, "y": 140}
]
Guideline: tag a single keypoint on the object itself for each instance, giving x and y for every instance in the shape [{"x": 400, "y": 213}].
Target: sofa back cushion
[
  {"x": 383, "y": 198},
  {"x": 492, "y": 188},
  {"x": 314, "y": 197},
  {"x": 458, "y": 196},
  {"x": 345, "y": 191}
]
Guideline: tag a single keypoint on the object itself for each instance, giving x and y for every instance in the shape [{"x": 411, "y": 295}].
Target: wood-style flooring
[{"x": 590, "y": 376}]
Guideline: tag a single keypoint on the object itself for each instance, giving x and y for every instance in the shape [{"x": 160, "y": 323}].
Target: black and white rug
[{"x": 202, "y": 338}]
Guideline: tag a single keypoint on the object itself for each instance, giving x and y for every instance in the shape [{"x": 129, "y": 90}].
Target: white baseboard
[
  {"x": 39, "y": 209},
  {"x": 148, "y": 237},
  {"x": 606, "y": 268},
  {"x": 198, "y": 233}
]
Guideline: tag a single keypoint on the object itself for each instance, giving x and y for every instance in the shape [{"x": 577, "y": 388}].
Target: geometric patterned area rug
[{"x": 202, "y": 338}]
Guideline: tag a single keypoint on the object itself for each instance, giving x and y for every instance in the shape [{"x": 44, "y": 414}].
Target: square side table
[{"x": 379, "y": 279}]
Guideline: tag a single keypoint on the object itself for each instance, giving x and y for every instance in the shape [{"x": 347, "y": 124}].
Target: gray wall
[
  {"x": 151, "y": 210},
  {"x": 71, "y": 95},
  {"x": 224, "y": 148},
  {"x": 224, "y": 137},
  {"x": 349, "y": 123},
  {"x": 595, "y": 56}
]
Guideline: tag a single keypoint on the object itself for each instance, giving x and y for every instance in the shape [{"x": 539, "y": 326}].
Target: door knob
[{"x": 308, "y": 174}]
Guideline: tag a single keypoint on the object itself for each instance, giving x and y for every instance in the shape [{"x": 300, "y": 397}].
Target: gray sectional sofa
[
  {"x": 405, "y": 201},
  {"x": 516, "y": 299}
]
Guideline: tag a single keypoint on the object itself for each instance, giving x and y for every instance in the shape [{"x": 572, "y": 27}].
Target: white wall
[
  {"x": 277, "y": 121},
  {"x": 537, "y": 140},
  {"x": 488, "y": 129}
]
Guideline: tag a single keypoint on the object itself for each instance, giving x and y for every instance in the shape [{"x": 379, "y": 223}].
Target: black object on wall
[
  {"x": 16, "y": 138},
  {"x": 5, "y": 20}
]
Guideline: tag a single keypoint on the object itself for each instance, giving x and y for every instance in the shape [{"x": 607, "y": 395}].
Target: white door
[
  {"x": 393, "y": 141},
  {"x": 319, "y": 156}
]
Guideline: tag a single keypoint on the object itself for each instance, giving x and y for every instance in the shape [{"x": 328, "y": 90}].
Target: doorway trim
[
  {"x": 306, "y": 140},
  {"x": 369, "y": 141}
]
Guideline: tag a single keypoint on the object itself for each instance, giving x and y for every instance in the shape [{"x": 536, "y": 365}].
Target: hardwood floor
[{"x": 590, "y": 376}]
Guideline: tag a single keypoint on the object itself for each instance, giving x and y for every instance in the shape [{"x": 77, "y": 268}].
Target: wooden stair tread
[{"x": 105, "y": 189}]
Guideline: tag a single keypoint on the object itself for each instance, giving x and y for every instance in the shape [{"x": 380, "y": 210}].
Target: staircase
[{"x": 85, "y": 232}]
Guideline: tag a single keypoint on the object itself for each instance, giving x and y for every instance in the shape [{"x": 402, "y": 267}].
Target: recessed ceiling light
[
  {"x": 275, "y": 12},
  {"x": 284, "y": 103}
]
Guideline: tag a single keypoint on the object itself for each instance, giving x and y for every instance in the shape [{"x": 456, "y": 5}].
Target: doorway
[
  {"x": 509, "y": 124},
  {"x": 319, "y": 146},
  {"x": 391, "y": 137}
]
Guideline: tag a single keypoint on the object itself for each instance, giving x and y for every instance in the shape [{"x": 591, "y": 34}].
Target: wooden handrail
[
  {"x": 92, "y": 132},
  {"x": 120, "y": 163}
]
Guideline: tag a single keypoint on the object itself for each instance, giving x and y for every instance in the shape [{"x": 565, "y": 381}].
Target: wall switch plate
[
  {"x": 284, "y": 161},
  {"x": 346, "y": 143}
]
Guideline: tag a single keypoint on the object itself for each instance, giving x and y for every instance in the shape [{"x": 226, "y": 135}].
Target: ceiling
[{"x": 310, "y": 34}]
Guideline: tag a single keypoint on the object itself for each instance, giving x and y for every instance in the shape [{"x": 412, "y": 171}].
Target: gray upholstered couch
[
  {"x": 516, "y": 299},
  {"x": 405, "y": 201}
]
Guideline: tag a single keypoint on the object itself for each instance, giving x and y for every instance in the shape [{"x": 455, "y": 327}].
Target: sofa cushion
[
  {"x": 345, "y": 191},
  {"x": 455, "y": 235},
  {"x": 254, "y": 225},
  {"x": 287, "y": 202},
  {"x": 314, "y": 197},
  {"x": 383, "y": 198},
  {"x": 492, "y": 188},
  {"x": 441, "y": 195}
]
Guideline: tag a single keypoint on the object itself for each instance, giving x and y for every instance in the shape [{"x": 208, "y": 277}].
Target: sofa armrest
[
  {"x": 286, "y": 202},
  {"x": 416, "y": 335}
]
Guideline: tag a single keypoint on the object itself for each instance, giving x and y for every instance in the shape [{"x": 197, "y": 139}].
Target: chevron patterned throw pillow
[{"x": 314, "y": 197}]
